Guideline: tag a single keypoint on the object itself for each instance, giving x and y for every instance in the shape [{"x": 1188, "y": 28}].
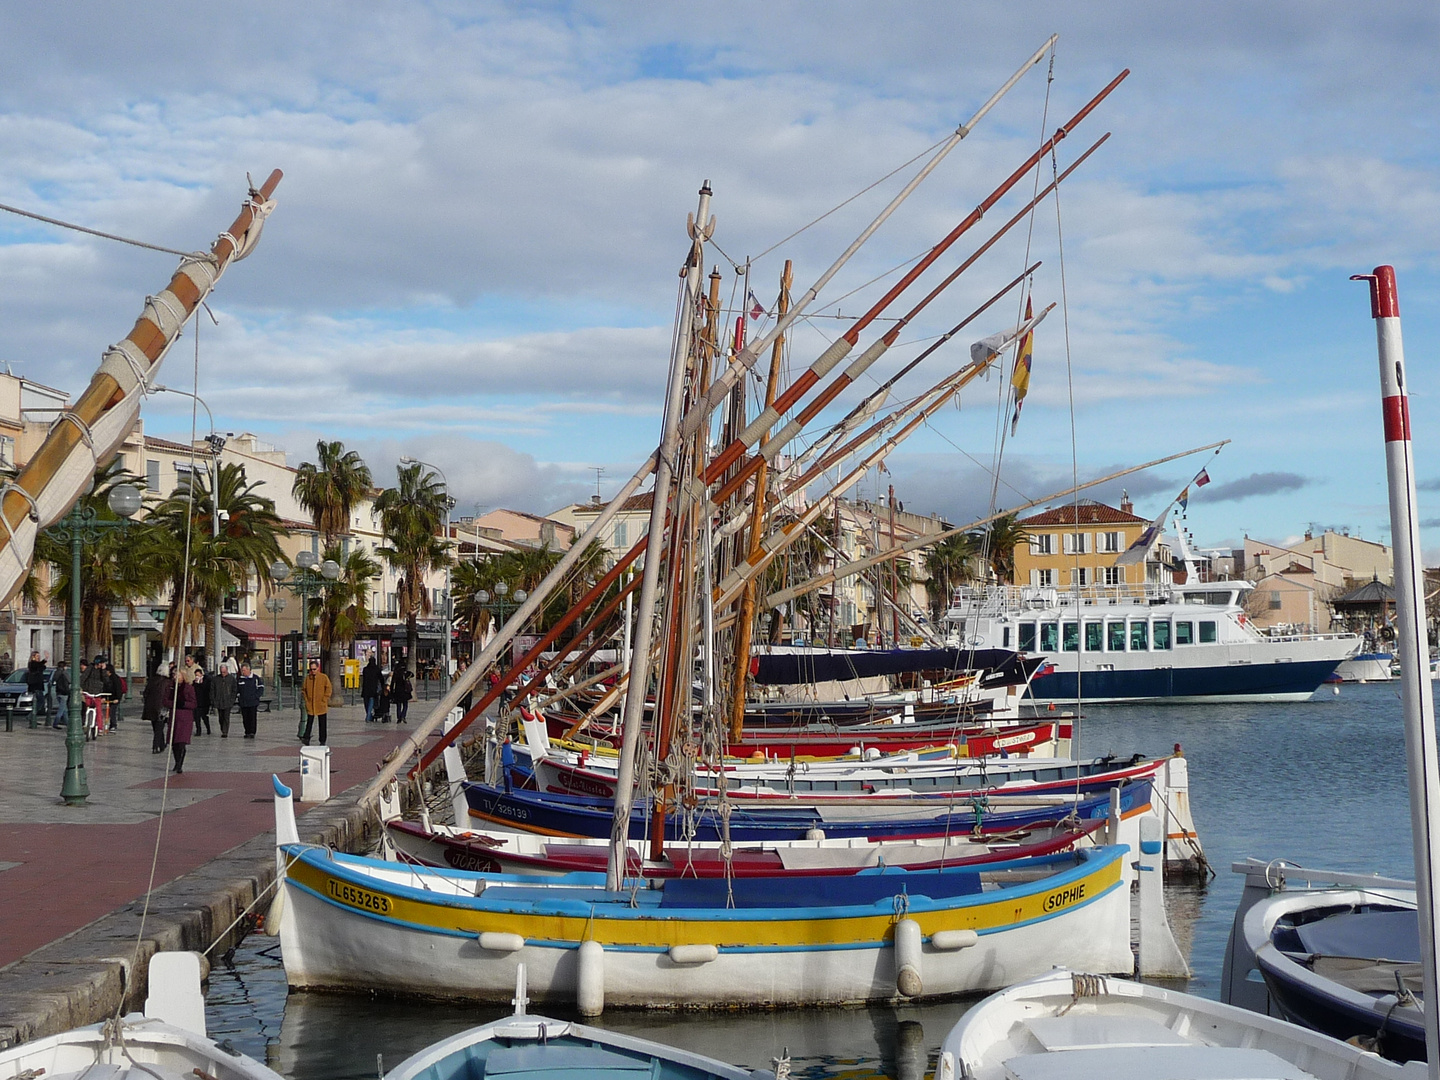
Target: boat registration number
[
  {"x": 1065, "y": 897},
  {"x": 361, "y": 898}
]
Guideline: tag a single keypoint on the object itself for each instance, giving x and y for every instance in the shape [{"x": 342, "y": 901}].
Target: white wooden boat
[
  {"x": 165, "y": 1042},
  {"x": 529, "y": 1047},
  {"x": 1067, "y": 1026},
  {"x": 364, "y": 924}
]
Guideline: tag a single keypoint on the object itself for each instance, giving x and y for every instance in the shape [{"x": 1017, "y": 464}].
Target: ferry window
[
  {"x": 1184, "y": 633},
  {"x": 1094, "y": 636},
  {"x": 1207, "y": 632},
  {"x": 1160, "y": 635},
  {"x": 1049, "y": 636},
  {"x": 1005, "y": 643},
  {"x": 1139, "y": 636},
  {"x": 1027, "y": 637},
  {"x": 1115, "y": 633},
  {"x": 1072, "y": 637}
]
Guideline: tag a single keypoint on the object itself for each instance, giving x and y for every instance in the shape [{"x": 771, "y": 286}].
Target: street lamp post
[
  {"x": 500, "y": 605},
  {"x": 448, "y": 615},
  {"x": 311, "y": 576},
  {"x": 275, "y": 605},
  {"x": 79, "y": 526}
]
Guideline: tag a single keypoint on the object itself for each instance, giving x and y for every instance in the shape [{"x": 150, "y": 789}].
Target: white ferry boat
[{"x": 1152, "y": 642}]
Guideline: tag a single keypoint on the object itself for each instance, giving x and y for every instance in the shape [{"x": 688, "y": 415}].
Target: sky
[{"x": 473, "y": 259}]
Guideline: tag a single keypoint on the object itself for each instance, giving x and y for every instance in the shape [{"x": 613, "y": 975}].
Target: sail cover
[{"x": 838, "y": 665}]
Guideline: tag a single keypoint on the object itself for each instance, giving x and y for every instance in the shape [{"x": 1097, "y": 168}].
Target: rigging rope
[{"x": 96, "y": 232}]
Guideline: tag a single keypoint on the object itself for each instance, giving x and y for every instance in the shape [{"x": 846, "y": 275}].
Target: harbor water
[{"x": 1320, "y": 783}]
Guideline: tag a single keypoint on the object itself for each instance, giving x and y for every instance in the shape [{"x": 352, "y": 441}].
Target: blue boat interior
[
  {"x": 1372, "y": 932},
  {"x": 560, "y": 1058}
]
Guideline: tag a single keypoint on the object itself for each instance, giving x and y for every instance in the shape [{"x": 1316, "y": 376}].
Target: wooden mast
[{"x": 744, "y": 627}]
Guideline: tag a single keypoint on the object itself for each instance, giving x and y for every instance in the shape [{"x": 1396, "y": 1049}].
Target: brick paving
[{"x": 62, "y": 867}]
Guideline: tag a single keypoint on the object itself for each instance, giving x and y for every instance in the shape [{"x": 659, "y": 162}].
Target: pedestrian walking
[
  {"x": 469, "y": 699},
  {"x": 184, "y": 717},
  {"x": 223, "y": 691},
  {"x": 62, "y": 698},
  {"x": 154, "y": 704},
  {"x": 202, "y": 701},
  {"x": 401, "y": 691},
  {"x": 35, "y": 682},
  {"x": 248, "y": 689},
  {"x": 372, "y": 681},
  {"x": 115, "y": 689},
  {"x": 316, "y": 693}
]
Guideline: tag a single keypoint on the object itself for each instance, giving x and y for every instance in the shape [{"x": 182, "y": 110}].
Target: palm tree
[
  {"x": 411, "y": 514},
  {"x": 118, "y": 568},
  {"x": 248, "y": 542},
  {"x": 331, "y": 489},
  {"x": 1002, "y": 537},
  {"x": 343, "y": 609},
  {"x": 949, "y": 563}
]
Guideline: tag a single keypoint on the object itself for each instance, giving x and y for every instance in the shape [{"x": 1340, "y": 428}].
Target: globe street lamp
[
  {"x": 275, "y": 605},
  {"x": 500, "y": 605},
  {"x": 448, "y": 614},
  {"x": 311, "y": 576},
  {"x": 81, "y": 525}
]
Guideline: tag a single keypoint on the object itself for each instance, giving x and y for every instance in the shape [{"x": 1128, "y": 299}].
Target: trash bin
[{"x": 314, "y": 773}]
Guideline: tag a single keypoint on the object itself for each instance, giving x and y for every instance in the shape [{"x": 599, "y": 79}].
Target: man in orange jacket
[{"x": 316, "y": 692}]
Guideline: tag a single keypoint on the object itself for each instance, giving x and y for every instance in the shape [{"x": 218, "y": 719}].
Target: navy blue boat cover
[
  {"x": 1369, "y": 935},
  {"x": 843, "y": 665}
]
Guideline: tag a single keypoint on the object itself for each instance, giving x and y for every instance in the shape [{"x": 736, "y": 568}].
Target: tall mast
[
  {"x": 744, "y": 625},
  {"x": 1416, "y": 693},
  {"x": 701, "y": 227}
]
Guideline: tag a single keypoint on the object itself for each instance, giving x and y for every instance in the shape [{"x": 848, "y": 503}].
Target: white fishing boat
[
  {"x": 529, "y": 1047},
  {"x": 1154, "y": 642},
  {"x": 360, "y": 924},
  {"x": 165, "y": 1042},
  {"x": 1068, "y": 1026}
]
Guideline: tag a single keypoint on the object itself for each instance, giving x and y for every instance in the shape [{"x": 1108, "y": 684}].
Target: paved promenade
[{"x": 61, "y": 867}]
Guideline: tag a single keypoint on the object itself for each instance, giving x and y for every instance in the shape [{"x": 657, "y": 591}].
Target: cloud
[{"x": 1262, "y": 483}]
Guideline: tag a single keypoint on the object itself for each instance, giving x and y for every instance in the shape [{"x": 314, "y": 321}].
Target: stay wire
[{"x": 94, "y": 232}]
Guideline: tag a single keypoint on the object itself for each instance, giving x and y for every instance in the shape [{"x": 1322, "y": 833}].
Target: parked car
[{"x": 16, "y": 696}]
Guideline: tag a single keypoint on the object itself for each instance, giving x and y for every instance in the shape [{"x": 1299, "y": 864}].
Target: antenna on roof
[{"x": 599, "y": 471}]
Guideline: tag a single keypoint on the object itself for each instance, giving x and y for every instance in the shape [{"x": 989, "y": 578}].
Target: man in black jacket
[
  {"x": 248, "y": 689},
  {"x": 62, "y": 697},
  {"x": 371, "y": 683}
]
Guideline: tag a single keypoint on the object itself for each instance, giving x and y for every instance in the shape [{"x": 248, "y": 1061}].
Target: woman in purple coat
[{"x": 183, "y": 726}]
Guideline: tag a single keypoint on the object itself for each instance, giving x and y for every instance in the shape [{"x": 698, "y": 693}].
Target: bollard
[
  {"x": 1159, "y": 955},
  {"x": 590, "y": 980},
  {"x": 907, "y": 958},
  {"x": 314, "y": 773}
]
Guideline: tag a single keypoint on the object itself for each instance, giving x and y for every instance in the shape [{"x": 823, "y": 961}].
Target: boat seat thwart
[{"x": 1172, "y": 1062}]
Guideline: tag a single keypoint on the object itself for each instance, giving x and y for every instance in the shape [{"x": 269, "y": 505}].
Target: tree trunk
[
  {"x": 212, "y": 645},
  {"x": 332, "y": 670},
  {"x": 412, "y": 641}
]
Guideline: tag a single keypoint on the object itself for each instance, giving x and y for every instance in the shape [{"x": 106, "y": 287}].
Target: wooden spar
[
  {"x": 1417, "y": 694},
  {"x": 671, "y": 434},
  {"x": 846, "y": 342},
  {"x": 829, "y": 455},
  {"x": 153, "y": 333},
  {"x": 744, "y": 625},
  {"x": 777, "y": 541},
  {"x": 894, "y": 576},
  {"x": 415, "y": 743},
  {"x": 860, "y": 565},
  {"x": 770, "y": 446},
  {"x": 745, "y": 359}
]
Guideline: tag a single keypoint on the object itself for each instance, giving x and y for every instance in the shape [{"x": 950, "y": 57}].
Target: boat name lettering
[
  {"x": 1012, "y": 740},
  {"x": 1065, "y": 897},
  {"x": 361, "y": 898}
]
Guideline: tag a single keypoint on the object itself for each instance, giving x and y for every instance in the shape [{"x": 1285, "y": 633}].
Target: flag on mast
[
  {"x": 757, "y": 309},
  {"x": 1020, "y": 378},
  {"x": 1203, "y": 478},
  {"x": 1184, "y": 499},
  {"x": 1139, "y": 551}
]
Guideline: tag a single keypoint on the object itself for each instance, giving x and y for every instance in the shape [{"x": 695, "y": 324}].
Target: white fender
[
  {"x": 590, "y": 980},
  {"x": 693, "y": 954},
  {"x": 907, "y": 958},
  {"x": 495, "y": 941},
  {"x": 951, "y": 940}
]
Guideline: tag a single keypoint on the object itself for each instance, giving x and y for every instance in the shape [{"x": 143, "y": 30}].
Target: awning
[{"x": 249, "y": 628}]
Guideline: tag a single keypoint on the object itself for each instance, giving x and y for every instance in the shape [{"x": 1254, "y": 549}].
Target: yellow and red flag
[{"x": 1020, "y": 378}]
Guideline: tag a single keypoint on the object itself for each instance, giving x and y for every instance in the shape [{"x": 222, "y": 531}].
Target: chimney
[
  {"x": 1126, "y": 506},
  {"x": 594, "y": 500}
]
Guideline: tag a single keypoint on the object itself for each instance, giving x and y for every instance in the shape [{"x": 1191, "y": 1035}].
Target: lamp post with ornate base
[{"x": 79, "y": 526}]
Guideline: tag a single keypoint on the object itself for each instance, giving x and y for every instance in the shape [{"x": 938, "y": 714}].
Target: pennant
[
  {"x": 1184, "y": 500},
  {"x": 1203, "y": 478},
  {"x": 1020, "y": 378},
  {"x": 1138, "y": 551},
  {"x": 757, "y": 309}
]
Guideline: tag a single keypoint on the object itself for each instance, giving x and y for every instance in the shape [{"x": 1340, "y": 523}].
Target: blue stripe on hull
[{"x": 1229, "y": 681}]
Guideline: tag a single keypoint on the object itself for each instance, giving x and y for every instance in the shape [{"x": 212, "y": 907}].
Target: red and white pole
[{"x": 1416, "y": 694}]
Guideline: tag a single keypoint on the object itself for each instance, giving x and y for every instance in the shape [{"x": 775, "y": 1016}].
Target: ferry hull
[{"x": 1232, "y": 682}]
